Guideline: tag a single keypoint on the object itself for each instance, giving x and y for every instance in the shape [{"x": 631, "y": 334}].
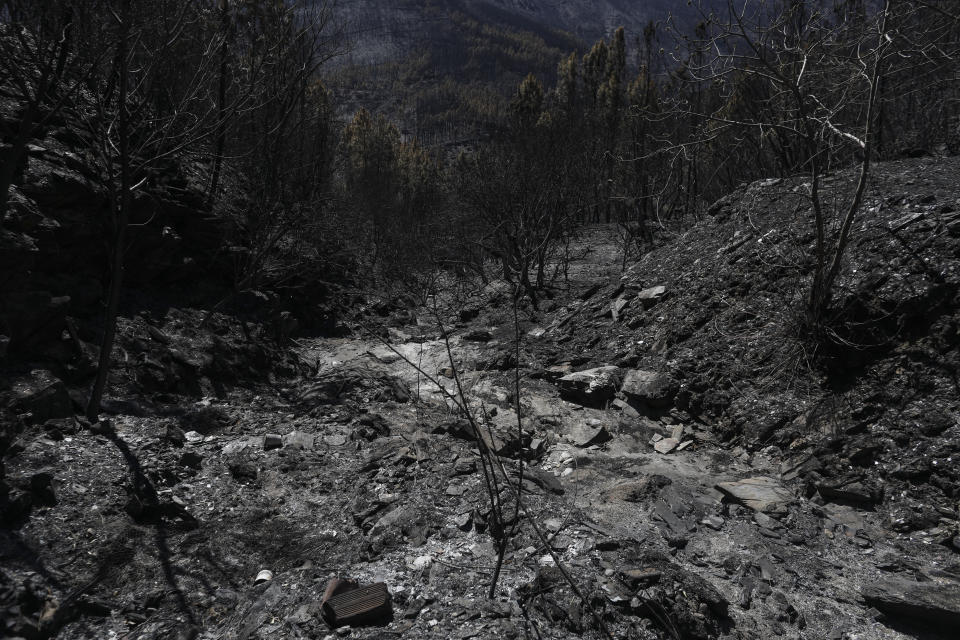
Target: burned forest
[{"x": 479, "y": 319}]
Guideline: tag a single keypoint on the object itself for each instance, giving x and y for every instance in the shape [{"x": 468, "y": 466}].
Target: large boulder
[
  {"x": 32, "y": 317},
  {"x": 42, "y": 395},
  {"x": 18, "y": 253},
  {"x": 22, "y": 213},
  {"x": 50, "y": 184},
  {"x": 761, "y": 494},
  {"x": 934, "y": 603},
  {"x": 650, "y": 297},
  {"x": 593, "y": 387},
  {"x": 649, "y": 388},
  {"x": 356, "y": 381}
]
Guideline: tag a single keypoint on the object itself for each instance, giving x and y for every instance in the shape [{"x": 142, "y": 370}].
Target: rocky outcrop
[
  {"x": 650, "y": 297},
  {"x": 934, "y": 603},
  {"x": 649, "y": 388},
  {"x": 42, "y": 396},
  {"x": 358, "y": 381},
  {"x": 54, "y": 237},
  {"x": 760, "y": 494},
  {"x": 593, "y": 387}
]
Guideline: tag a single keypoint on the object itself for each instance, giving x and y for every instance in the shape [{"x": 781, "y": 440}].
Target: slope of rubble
[{"x": 687, "y": 468}]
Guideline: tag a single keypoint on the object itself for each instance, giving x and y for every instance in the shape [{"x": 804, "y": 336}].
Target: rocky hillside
[
  {"x": 691, "y": 466},
  {"x": 53, "y": 246}
]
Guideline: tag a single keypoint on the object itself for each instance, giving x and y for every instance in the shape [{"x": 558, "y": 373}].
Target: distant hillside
[
  {"x": 443, "y": 67},
  {"x": 383, "y": 30}
]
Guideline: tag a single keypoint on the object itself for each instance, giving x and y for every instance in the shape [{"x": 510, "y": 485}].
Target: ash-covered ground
[{"x": 691, "y": 466}]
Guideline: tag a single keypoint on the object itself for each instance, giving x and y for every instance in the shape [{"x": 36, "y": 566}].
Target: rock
[
  {"x": 191, "y": 459},
  {"x": 50, "y": 185},
  {"x": 22, "y": 213},
  {"x": 298, "y": 440},
  {"x": 666, "y": 445},
  {"x": 800, "y": 466},
  {"x": 766, "y": 521},
  {"x": 649, "y": 388},
  {"x": 637, "y": 491},
  {"x": 641, "y": 578},
  {"x": 233, "y": 448},
  {"x": 665, "y": 514},
  {"x": 936, "y": 602},
  {"x": 479, "y": 335},
  {"x": 42, "y": 488},
  {"x": 844, "y": 519},
  {"x": 389, "y": 520},
  {"x": 650, "y": 297},
  {"x": 540, "y": 478},
  {"x": 553, "y": 524},
  {"x": 499, "y": 360},
  {"x": 627, "y": 410},
  {"x": 617, "y": 307},
  {"x": 589, "y": 293},
  {"x": 714, "y": 522},
  {"x": 536, "y": 447},
  {"x": 760, "y": 494},
  {"x": 175, "y": 436},
  {"x": 18, "y": 256},
  {"x": 456, "y": 490},
  {"x": 464, "y": 521},
  {"x": 242, "y": 470},
  {"x": 362, "y": 381},
  {"x": 853, "y": 491},
  {"x": 193, "y": 437},
  {"x": 676, "y": 541},
  {"x": 464, "y": 467},
  {"x": 593, "y": 387},
  {"x": 555, "y": 372},
  {"x": 584, "y": 435},
  {"x": 42, "y": 395}
]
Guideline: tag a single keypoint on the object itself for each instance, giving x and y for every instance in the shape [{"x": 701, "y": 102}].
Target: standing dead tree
[
  {"x": 160, "y": 99},
  {"x": 274, "y": 136},
  {"x": 808, "y": 86},
  {"x": 146, "y": 110},
  {"x": 525, "y": 192}
]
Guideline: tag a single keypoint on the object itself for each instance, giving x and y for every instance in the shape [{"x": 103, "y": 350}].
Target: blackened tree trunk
[
  {"x": 221, "y": 133},
  {"x": 121, "y": 211}
]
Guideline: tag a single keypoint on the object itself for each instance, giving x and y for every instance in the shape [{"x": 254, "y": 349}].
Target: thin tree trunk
[
  {"x": 221, "y": 134},
  {"x": 121, "y": 216},
  {"x": 824, "y": 288}
]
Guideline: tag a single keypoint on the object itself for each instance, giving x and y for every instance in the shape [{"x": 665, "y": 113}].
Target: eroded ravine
[{"x": 786, "y": 568}]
